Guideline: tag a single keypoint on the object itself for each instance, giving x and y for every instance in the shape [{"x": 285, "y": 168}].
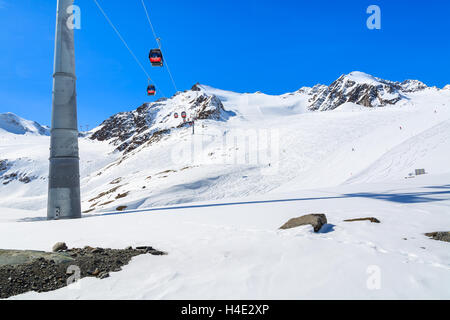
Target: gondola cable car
[
  {"x": 151, "y": 90},
  {"x": 156, "y": 58}
]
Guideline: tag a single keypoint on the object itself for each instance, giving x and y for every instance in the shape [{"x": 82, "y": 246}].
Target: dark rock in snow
[
  {"x": 371, "y": 219},
  {"x": 317, "y": 220},
  {"x": 59, "y": 246},
  {"x": 441, "y": 236},
  {"x": 196, "y": 87},
  {"x": 4, "y": 165}
]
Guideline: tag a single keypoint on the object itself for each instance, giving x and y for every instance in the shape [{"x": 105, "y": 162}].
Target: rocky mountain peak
[
  {"x": 412, "y": 86},
  {"x": 151, "y": 121},
  {"x": 196, "y": 87},
  {"x": 363, "y": 89}
]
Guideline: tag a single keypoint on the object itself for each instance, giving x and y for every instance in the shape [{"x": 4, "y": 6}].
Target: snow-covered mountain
[
  {"x": 148, "y": 123},
  {"x": 11, "y": 123},
  {"x": 151, "y": 121},
  {"x": 362, "y": 89},
  {"x": 146, "y": 157},
  {"x": 215, "y": 199}
]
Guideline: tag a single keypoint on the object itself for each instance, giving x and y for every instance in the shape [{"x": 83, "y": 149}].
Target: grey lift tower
[{"x": 64, "y": 178}]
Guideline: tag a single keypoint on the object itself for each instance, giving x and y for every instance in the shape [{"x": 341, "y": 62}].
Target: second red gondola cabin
[{"x": 151, "y": 90}]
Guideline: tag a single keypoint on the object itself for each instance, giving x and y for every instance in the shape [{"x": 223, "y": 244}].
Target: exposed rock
[
  {"x": 23, "y": 271},
  {"x": 412, "y": 86},
  {"x": 4, "y": 165},
  {"x": 441, "y": 236},
  {"x": 59, "y": 246},
  {"x": 122, "y": 195},
  {"x": 96, "y": 272},
  {"x": 152, "y": 121},
  {"x": 207, "y": 107},
  {"x": 317, "y": 220},
  {"x": 20, "y": 176},
  {"x": 102, "y": 194},
  {"x": 149, "y": 250},
  {"x": 371, "y": 219},
  {"x": 362, "y": 89},
  {"x": 196, "y": 87},
  {"x": 18, "y": 257},
  {"x": 116, "y": 181},
  {"x": 358, "y": 88},
  {"x": 121, "y": 208}
]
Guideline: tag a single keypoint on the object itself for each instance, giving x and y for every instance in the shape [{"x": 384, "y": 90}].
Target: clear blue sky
[{"x": 245, "y": 46}]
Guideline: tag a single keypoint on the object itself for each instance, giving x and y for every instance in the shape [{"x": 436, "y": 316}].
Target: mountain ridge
[
  {"x": 11, "y": 123},
  {"x": 355, "y": 87}
]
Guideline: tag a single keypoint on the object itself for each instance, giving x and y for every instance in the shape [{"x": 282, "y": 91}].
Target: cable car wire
[
  {"x": 158, "y": 42},
  {"x": 126, "y": 45}
]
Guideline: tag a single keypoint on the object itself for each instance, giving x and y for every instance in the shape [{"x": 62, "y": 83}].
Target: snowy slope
[
  {"x": 10, "y": 123},
  {"x": 146, "y": 157},
  {"x": 348, "y": 161},
  {"x": 236, "y": 251}
]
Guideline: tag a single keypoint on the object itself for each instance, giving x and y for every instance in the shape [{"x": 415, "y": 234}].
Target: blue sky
[{"x": 245, "y": 46}]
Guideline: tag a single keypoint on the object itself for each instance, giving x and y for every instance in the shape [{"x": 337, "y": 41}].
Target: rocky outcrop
[
  {"x": 23, "y": 270},
  {"x": 4, "y": 165},
  {"x": 59, "y": 246},
  {"x": 371, "y": 219},
  {"x": 412, "y": 86},
  {"x": 317, "y": 220},
  {"x": 207, "y": 107},
  {"x": 441, "y": 236},
  {"x": 151, "y": 121},
  {"x": 196, "y": 87},
  {"x": 360, "y": 88},
  {"x": 21, "y": 177},
  {"x": 6, "y": 177}
]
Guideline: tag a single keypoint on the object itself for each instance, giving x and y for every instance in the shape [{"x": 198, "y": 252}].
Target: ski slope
[
  {"x": 204, "y": 199},
  {"x": 236, "y": 252},
  {"x": 236, "y": 158}
]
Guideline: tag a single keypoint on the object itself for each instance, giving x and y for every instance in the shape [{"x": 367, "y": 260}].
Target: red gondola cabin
[
  {"x": 156, "y": 58},
  {"x": 183, "y": 114},
  {"x": 175, "y": 115},
  {"x": 151, "y": 90}
]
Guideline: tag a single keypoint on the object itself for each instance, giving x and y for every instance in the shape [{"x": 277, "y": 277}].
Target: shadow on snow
[{"x": 405, "y": 198}]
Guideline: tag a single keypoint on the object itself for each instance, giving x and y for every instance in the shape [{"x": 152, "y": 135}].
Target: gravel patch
[{"x": 45, "y": 273}]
